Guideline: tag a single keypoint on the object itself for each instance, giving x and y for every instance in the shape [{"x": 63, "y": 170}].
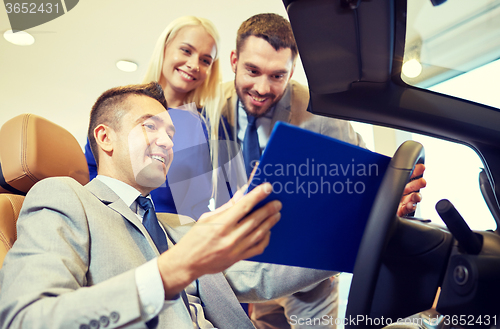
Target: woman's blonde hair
[{"x": 207, "y": 96}]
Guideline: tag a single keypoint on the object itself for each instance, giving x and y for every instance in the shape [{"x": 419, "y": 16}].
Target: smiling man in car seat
[{"x": 99, "y": 256}]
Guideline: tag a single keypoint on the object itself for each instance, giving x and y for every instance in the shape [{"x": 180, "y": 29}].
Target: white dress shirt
[
  {"x": 147, "y": 276},
  {"x": 263, "y": 126}
]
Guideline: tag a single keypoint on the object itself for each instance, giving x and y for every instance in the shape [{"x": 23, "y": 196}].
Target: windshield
[{"x": 454, "y": 48}]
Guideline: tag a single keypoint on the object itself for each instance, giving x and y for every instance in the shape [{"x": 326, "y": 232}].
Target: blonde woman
[{"x": 185, "y": 62}]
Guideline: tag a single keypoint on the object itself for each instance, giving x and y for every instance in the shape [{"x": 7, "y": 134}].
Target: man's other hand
[
  {"x": 411, "y": 196},
  {"x": 220, "y": 239}
]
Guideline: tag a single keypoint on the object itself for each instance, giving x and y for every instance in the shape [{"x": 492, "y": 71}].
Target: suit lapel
[
  {"x": 110, "y": 199},
  {"x": 282, "y": 111},
  {"x": 232, "y": 110}
]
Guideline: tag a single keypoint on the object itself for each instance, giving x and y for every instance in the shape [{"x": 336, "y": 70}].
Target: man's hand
[
  {"x": 220, "y": 239},
  {"x": 411, "y": 195}
]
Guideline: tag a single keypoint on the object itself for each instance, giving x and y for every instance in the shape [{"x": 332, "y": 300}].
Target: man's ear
[
  {"x": 104, "y": 137},
  {"x": 293, "y": 69},
  {"x": 234, "y": 60}
]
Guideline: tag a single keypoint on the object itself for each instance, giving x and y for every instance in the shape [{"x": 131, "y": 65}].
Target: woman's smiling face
[{"x": 187, "y": 60}]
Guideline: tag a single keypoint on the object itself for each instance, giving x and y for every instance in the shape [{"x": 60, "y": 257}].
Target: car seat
[{"x": 31, "y": 149}]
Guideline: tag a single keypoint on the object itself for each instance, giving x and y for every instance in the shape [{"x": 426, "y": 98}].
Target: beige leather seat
[{"x": 31, "y": 149}]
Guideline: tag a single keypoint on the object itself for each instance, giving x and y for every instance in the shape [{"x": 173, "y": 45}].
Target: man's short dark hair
[
  {"x": 271, "y": 27},
  {"x": 112, "y": 105}
]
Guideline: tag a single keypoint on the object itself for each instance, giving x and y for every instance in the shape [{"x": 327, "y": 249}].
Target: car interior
[
  {"x": 353, "y": 53},
  {"x": 31, "y": 149}
]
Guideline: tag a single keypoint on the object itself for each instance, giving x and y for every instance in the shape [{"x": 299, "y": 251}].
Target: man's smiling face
[
  {"x": 262, "y": 74},
  {"x": 143, "y": 148}
]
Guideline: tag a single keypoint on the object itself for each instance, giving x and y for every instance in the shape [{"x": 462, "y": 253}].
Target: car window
[
  {"x": 452, "y": 172},
  {"x": 454, "y": 49},
  {"x": 458, "y": 42}
]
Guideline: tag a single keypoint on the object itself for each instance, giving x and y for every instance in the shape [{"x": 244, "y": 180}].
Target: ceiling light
[
  {"x": 19, "y": 38},
  {"x": 126, "y": 66},
  {"x": 412, "y": 68}
]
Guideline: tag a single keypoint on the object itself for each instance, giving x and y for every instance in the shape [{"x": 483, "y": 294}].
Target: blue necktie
[
  {"x": 151, "y": 224},
  {"x": 251, "y": 147}
]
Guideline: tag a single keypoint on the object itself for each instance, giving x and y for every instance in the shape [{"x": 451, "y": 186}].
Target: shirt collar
[{"x": 127, "y": 193}]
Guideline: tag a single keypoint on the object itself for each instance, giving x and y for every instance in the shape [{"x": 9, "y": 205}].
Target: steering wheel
[{"x": 378, "y": 228}]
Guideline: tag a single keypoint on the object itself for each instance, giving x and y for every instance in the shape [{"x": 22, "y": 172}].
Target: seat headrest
[{"x": 33, "y": 148}]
